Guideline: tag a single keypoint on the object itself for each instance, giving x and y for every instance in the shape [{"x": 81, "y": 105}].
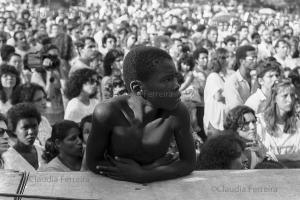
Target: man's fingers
[{"x": 105, "y": 169}]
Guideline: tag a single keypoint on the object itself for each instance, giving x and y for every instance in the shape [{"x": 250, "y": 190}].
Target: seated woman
[
  {"x": 131, "y": 134},
  {"x": 224, "y": 151},
  {"x": 279, "y": 126},
  {"x": 80, "y": 90},
  {"x": 63, "y": 150},
  {"x": 242, "y": 120},
  {"x": 23, "y": 121},
  {"x": 35, "y": 94},
  {"x": 4, "y": 138},
  {"x": 10, "y": 79}
]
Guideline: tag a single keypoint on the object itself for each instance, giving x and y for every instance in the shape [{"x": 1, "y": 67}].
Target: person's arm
[
  {"x": 99, "y": 137},
  {"x": 129, "y": 170},
  {"x": 231, "y": 94},
  {"x": 187, "y": 82}
]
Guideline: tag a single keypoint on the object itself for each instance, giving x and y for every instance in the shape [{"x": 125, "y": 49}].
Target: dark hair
[
  {"x": 109, "y": 59},
  {"x": 241, "y": 53},
  {"x": 235, "y": 117},
  {"x": 229, "y": 39},
  {"x": 215, "y": 64},
  {"x": 59, "y": 132},
  {"x": 76, "y": 81},
  {"x": 281, "y": 40},
  {"x": 8, "y": 69},
  {"x": 138, "y": 63},
  {"x": 254, "y": 35},
  {"x": 198, "y": 51},
  {"x": 6, "y": 51},
  {"x": 219, "y": 151},
  {"x": 186, "y": 59},
  {"x": 295, "y": 77},
  {"x": 106, "y": 36},
  {"x": 19, "y": 112},
  {"x": 211, "y": 28},
  {"x": 25, "y": 93},
  {"x": 13, "y": 54},
  {"x": 86, "y": 119},
  {"x": 269, "y": 164},
  {"x": 265, "y": 66},
  {"x": 4, "y": 36},
  {"x": 15, "y": 34},
  {"x": 3, "y": 118}
]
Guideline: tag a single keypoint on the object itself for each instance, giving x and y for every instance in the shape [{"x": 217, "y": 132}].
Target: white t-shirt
[
  {"x": 279, "y": 143},
  {"x": 76, "y": 110},
  {"x": 256, "y": 101}
]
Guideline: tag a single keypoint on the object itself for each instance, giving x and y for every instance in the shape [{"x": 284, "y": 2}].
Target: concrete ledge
[{"x": 248, "y": 184}]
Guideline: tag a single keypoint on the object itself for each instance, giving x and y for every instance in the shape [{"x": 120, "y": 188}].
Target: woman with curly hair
[
  {"x": 81, "y": 89},
  {"x": 113, "y": 70},
  {"x": 225, "y": 151},
  {"x": 36, "y": 95},
  {"x": 10, "y": 79},
  {"x": 242, "y": 120},
  {"x": 279, "y": 124},
  {"x": 64, "y": 149}
]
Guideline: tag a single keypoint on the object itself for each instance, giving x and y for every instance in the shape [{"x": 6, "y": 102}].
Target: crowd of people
[{"x": 143, "y": 92}]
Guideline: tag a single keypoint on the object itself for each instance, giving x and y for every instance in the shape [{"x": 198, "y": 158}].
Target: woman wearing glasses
[
  {"x": 4, "y": 138},
  {"x": 35, "y": 94},
  {"x": 279, "y": 125},
  {"x": 81, "y": 90},
  {"x": 242, "y": 120}
]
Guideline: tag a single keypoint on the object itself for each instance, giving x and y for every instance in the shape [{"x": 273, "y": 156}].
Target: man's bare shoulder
[{"x": 110, "y": 108}]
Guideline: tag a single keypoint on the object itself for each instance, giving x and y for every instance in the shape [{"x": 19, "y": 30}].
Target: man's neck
[
  {"x": 84, "y": 98},
  {"x": 73, "y": 163},
  {"x": 265, "y": 91},
  {"x": 85, "y": 61},
  {"x": 245, "y": 73},
  {"x": 20, "y": 147}
]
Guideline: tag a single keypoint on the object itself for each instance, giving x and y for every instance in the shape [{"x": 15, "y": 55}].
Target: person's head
[
  {"x": 281, "y": 105},
  {"x": 243, "y": 31},
  {"x": 131, "y": 40},
  {"x": 10, "y": 77},
  {"x": 4, "y": 134},
  {"x": 109, "y": 41},
  {"x": 6, "y": 51},
  {"x": 268, "y": 72},
  {"x": 219, "y": 60},
  {"x": 20, "y": 26},
  {"x": 87, "y": 47},
  {"x": 64, "y": 141},
  {"x": 54, "y": 30},
  {"x": 86, "y": 30},
  {"x": 242, "y": 120},
  {"x": 16, "y": 61},
  {"x": 255, "y": 38},
  {"x": 289, "y": 31},
  {"x": 20, "y": 40},
  {"x": 266, "y": 36},
  {"x": 30, "y": 93},
  {"x": 85, "y": 127},
  {"x": 282, "y": 48},
  {"x": 23, "y": 120},
  {"x": 163, "y": 42},
  {"x": 212, "y": 34},
  {"x": 150, "y": 73},
  {"x": 82, "y": 81},
  {"x": 230, "y": 43},
  {"x": 2, "y": 23},
  {"x": 112, "y": 62},
  {"x": 223, "y": 151},
  {"x": 201, "y": 58},
  {"x": 269, "y": 164},
  {"x": 276, "y": 34},
  {"x": 185, "y": 63},
  {"x": 246, "y": 57}
]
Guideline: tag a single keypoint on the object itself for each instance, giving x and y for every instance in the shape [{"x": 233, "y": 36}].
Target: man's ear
[
  {"x": 260, "y": 81},
  {"x": 136, "y": 87}
]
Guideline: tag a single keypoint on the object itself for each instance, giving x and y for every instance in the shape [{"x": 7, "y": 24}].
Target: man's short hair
[
  {"x": 138, "y": 63},
  {"x": 241, "y": 52},
  {"x": 229, "y": 39},
  {"x": 21, "y": 111},
  {"x": 281, "y": 40},
  {"x": 16, "y": 33},
  {"x": 198, "y": 51},
  {"x": 265, "y": 66}
]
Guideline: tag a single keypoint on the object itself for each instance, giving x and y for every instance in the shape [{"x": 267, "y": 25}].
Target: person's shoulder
[
  {"x": 180, "y": 112},
  {"x": 110, "y": 107}
]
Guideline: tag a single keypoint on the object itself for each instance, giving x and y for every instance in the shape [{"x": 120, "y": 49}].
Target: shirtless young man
[{"x": 131, "y": 134}]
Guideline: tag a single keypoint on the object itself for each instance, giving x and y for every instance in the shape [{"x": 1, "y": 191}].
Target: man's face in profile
[{"x": 162, "y": 88}]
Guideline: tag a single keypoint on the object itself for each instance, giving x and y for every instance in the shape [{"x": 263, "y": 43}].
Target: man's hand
[{"x": 122, "y": 169}]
